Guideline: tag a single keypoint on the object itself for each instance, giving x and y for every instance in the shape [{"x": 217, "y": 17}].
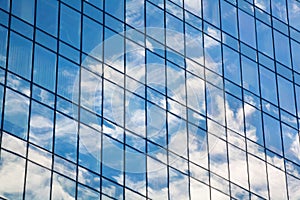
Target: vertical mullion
[
  {"x": 243, "y": 98},
  {"x": 224, "y": 97},
  {"x": 206, "y": 102},
  {"x": 124, "y": 98},
  {"x": 102, "y": 98},
  {"x": 146, "y": 99},
  {"x": 30, "y": 98},
  {"x": 166, "y": 96},
  {"x": 55, "y": 97},
  {"x": 5, "y": 72},
  {"x": 278, "y": 100},
  {"x": 260, "y": 106},
  {"x": 79, "y": 101},
  {"x": 295, "y": 99},
  {"x": 186, "y": 101}
]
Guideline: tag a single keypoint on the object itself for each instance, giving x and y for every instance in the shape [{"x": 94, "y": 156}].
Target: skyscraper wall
[{"x": 149, "y": 99}]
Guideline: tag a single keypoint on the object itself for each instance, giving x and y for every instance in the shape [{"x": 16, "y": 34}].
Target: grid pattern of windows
[{"x": 149, "y": 99}]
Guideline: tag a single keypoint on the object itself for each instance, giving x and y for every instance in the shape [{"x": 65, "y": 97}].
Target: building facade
[{"x": 150, "y": 99}]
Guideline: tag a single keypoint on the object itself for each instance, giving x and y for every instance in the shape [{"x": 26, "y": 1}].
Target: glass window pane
[
  {"x": 135, "y": 13},
  {"x": 177, "y": 134},
  {"x": 113, "y": 159},
  {"x": 279, "y": 9},
  {"x": 247, "y": 28},
  {"x": 44, "y": 72},
  {"x": 211, "y": 12},
  {"x": 286, "y": 95},
  {"x": 234, "y": 114},
  {"x": 41, "y": 125},
  {"x": 92, "y": 38},
  {"x": 215, "y": 104},
  {"x": 114, "y": 50},
  {"x": 250, "y": 75},
  {"x": 193, "y": 6},
  {"x": 24, "y": 9},
  {"x": 263, "y": 4},
  {"x": 63, "y": 187},
  {"x": 91, "y": 87},
  {"x": 70, "y": 26},
  {"x": 232, "y": 70},
  {"x": 281, "y": 48},
  {"x": 20, "y": 55},
  {"x": 67, "y": 83},
  {"x": 195, "y": 93},
  {"x": 113, "y": 111},
  {"x": 65, "y": 167},
  {"x": 176, "y": 83},
  {"x": 197, "y": 188},
  {"x": 16, "y": 114},
  {"x": 112, "y": 189},
  {"x": 13, "y": 144},
  {"x": 47, "y": 16},
  {"x": 156, "y": 124},
  {"x": 12, "y": 171},
  {"x": 3, "y": 44},
  {"x": 264, "y": 38},
  {"x": 272, "y": 134},
  {"x": 155, "y": 18},
  {"x": 257, "y": 176},
  {"x": 174, "y": 33},
  {"x": 277, "y": 183},
  {"x": 291, "y": 143},
  {"x": 238, "y": 163},
  {"x": 37, "y": 182},
  {"x": 296, "y": 59},
  {"x": 157, "y": 177},
  {"x": 86, "y": 193},
  {"x": 293, "y": 185},
  {"x": 268, "y": 85},
  {"x": 229, "y": 18},
  {"x": 194, "y": 44},
  {"x": 213, "y": 53},
  {"x": 293, "y": 8},
  {"x": 135, "y": 114},
  {"x": 218, "y": 156},
  {"x": 155, "y": 73},
  {"x": 135, "y": 170},
  {"x": 297, "y": 89},
  {"x": 178, "y": 182},
  {"x": 65, "y": 137},
  {"x": 253, "y": 124},
  {"x": 89, "y": 148},
  {"x": 115, "y": 8}
]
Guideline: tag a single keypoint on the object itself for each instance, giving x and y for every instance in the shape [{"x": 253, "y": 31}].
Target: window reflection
[
  {"x": 157, "y": 178},
  {"x": 272, "y": 134},
  {"x": 250, "y": 75},
  {"x": 47, "y": 16},
  {"x": 70, "y": 26},
  {"x": 16, "y": 114},
  {"x": 65, "y": 137},
  {"x": 20, "y": 52},
  {"x": 44, "y": 68},
  {"x": 62, "y": 187},
  {"x": 211, "y": 12},
  {"x": 257, "y": 176},
  {"x": 41, "y": 125},
  {"x": 12, "y": 172},
  {"x": 37, "y": 182},
  {"x": 229, "y": 18}
]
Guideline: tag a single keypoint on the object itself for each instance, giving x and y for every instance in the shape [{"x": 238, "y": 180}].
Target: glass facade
[{"x": 149, "y": 99}]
